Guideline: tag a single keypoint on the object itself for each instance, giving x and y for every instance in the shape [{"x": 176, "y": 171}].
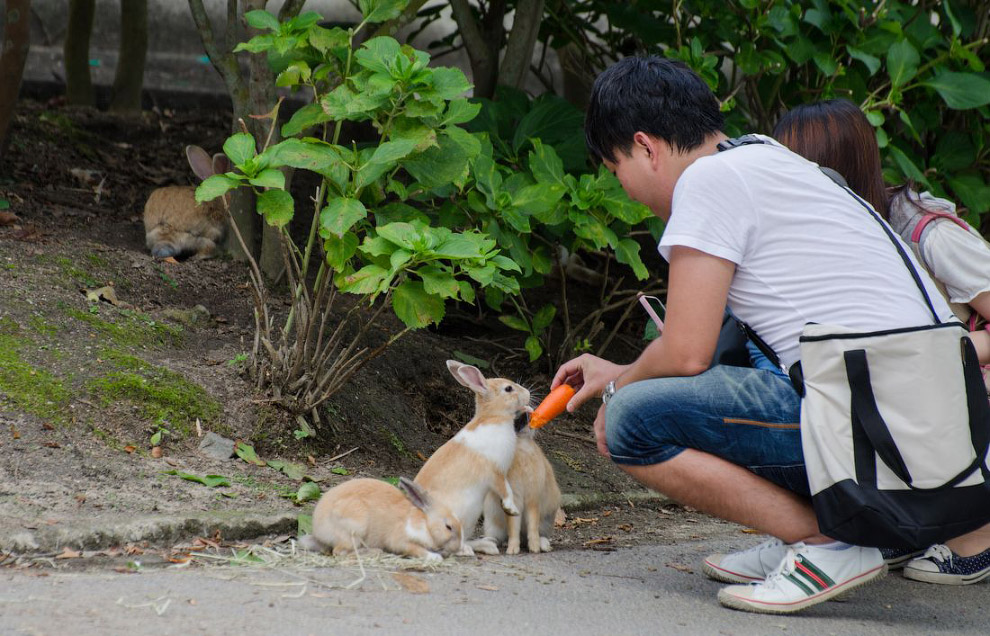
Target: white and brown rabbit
[
  {"x": 474, "y": 462},
  {"x": 175, "y": 225},
  {"x": 370, "y": 513},
  {"x": 536, "y": 494}
]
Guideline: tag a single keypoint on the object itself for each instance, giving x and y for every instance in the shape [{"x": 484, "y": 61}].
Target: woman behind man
[{"x": 836, "y": 134}]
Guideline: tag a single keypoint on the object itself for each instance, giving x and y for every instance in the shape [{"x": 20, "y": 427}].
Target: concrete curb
[{"x": 104, "y": 532}]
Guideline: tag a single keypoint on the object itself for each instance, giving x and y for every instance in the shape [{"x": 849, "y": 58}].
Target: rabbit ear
[
  {"x": 415, "y": 494},
  {"x": 469, "y": 376},
  {"x": 221, "y": 163},
  {"x": 199, "y": 161}
]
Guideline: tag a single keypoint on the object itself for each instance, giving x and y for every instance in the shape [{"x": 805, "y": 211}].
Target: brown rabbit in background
[
  {"x": 473, "y": 463},
  {"x": 372, "y": 513},
  {"x": 535, "y": 493},
  {"x": 175, "y": 225}
]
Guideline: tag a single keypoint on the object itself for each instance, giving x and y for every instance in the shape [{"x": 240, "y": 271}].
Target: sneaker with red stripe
[{"x": 807, "y": 576}]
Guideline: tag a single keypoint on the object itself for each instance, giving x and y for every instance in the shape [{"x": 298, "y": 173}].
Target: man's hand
[{"x": 588, "y": 375}]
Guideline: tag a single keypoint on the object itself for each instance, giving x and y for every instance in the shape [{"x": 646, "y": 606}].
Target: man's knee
[{"x": 635, "y": 432}]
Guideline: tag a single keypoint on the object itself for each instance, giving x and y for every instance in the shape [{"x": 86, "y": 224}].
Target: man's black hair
[{"x": 663, "y": 98}]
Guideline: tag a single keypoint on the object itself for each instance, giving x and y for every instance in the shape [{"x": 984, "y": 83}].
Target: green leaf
[
  {"x": 534, "y": 348},
  {"x": 269, "y": 178},
  {"x": 438, "y": 282},
  {"x": 505, "y": 263},
  {"x": 305, "y": 154},
  {"x": 402, "y": 234},
  {"x": 340, "y": 471},
  {"x": 156, "y": 439},
  {"x": 340, "y": 215},
  {"x": 378, "y": 55},
  {"x": 215, "y": 186},
  {"x": 381, "y": 10},
  {"x": 872, "y": 62},
  {"x": 961, "y": 91},
  {"x": 954, "y": 152},
  {"x": 246, "y": 452},
  {"x": 907, "y": 166},
  {"x": 366, "y": 280},
  {"x": 212, "y": 481},
  {"x": 463, "y": 246},
  {"x": 450, "y": 83},
  {"x": 544, "y": 163},
  {"x": 543, "y": 317},
  {"x": 460, "y": 111},
  {"x": 627, "y": 253},
  {"x": 826, "y": 63},
  {"x": 440, "y": 165},
  {"x": 415, "y": 307},
  {"x": 277, "y": 207},
  {"x": 239, "y": 148},
  {"x": 262, "y": 20},
  {"x": 291, "y": 470},
  {"x": 472, "y": 360},
  {"x": 546, "y": 120},
  {"x": 306, "y": 117},
  {"x": 304, "y": 525},
  {"x": 340, "y": 249},
  {"x": 902, "y": 62},
  {"x": 515, "y": 322},
  {"x": 308, "y": 491},
  {"x": 973, "y": 191}
]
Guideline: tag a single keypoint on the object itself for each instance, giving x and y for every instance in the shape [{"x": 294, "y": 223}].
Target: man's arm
[{"x": 696, "y": 297}]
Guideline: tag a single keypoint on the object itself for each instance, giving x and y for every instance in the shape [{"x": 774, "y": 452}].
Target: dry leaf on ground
[{"x": 412, "y": 584}]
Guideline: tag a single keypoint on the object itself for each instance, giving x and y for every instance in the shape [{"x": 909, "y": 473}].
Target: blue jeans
[{"x": 749, "y": 417}]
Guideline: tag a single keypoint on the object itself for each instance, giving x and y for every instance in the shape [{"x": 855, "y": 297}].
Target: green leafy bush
[{"x": 918, "y": 69}]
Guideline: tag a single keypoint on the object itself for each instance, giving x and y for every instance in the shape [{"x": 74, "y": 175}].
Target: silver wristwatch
[{"x": 608, "y": 392}]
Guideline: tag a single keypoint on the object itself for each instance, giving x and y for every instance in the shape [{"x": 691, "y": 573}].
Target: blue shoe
[
  {"x": 942, "y": 565},
  {"x": 896, "y": 558}
]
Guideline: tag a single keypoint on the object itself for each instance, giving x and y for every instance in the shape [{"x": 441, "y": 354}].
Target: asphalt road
[{"x": 651, "y": 589}]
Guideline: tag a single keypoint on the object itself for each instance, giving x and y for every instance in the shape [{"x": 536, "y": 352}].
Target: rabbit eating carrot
[{"x": 474, "y": 462}]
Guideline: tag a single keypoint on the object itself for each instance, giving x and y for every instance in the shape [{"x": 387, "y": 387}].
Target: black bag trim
[
  {"x": 907, "y": 519},
  {"x": 884, "y": 332}
]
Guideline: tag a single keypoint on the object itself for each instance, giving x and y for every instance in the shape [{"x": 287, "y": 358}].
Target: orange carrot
[{"x": 551, "y": 406}]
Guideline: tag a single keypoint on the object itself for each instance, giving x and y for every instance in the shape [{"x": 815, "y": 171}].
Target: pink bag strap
[{"x": 931, "y": 216}]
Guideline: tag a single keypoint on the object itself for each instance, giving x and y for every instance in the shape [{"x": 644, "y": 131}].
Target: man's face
[{"x": 635, "y": 172}]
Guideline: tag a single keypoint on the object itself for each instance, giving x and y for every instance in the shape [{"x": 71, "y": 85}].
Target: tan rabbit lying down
[
  {"x": 369, "y": 513},
  {"x": 175, "y": 225}
]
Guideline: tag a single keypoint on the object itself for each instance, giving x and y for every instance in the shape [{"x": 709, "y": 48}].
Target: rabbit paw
[
  {"x": 433, "y": 557},
  {"x": 509, "y": 507},
  {"x": 485, "y": 546},
  {"x": 545, "y": 545},
  {"x": 465, "y": 551},
  {"x": 512, "y": 548}
]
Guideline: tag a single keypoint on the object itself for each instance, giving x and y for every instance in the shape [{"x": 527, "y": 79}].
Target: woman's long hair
[{"x": 837, "y": 135}]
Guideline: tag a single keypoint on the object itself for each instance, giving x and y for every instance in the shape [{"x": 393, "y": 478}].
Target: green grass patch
[
  {"x": 25, "y": 387},
  {"x": 160, "y": 394},
  {"x": 70, "y": 268},
  {"x": 133, "y": 329},
  {"x": 42, "y": 326}
]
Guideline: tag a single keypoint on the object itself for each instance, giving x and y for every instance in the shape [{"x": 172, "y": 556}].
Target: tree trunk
[
  {"x": 522, "y": 39},
  {"x": 129, "y": 77},
  {"x": 75, "y": 53},
  {"x": 482, "y": 43},
  {"x": 13, "y": 53},
  {"x": 261, "y": 100}
]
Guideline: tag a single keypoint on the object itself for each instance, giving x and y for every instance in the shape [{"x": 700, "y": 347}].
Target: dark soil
[{"x": 76, "y": 179}]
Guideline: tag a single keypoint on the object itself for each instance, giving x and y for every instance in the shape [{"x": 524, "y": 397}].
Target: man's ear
[{"x": 649, "y": 144}]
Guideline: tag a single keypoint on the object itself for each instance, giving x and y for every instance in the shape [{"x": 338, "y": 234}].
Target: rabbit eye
[
  {"x": 508, "y": 389},
  {"x": 449, "y": 527}
]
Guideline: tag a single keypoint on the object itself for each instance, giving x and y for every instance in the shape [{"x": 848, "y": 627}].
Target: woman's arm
[{"x": 981, "y": 338}]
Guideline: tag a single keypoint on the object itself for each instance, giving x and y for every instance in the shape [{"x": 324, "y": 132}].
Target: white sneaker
[
  {"x": 807, "y": 576},
  {"x": 746, "y": 566}
]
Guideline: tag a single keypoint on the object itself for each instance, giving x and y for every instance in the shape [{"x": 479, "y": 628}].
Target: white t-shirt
[{"x": 804, "y": 249}]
